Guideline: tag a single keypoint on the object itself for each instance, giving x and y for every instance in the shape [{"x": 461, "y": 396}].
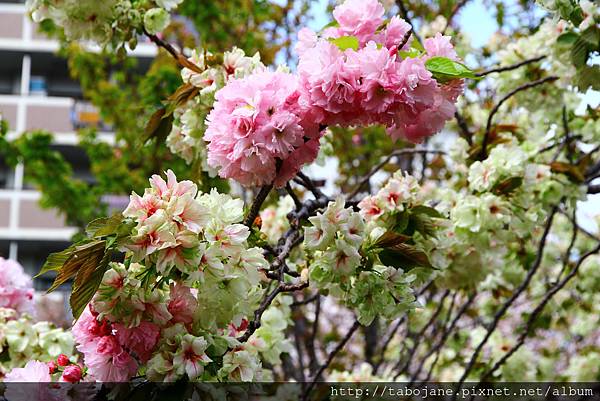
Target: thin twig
[
  {"x": 488, "y": 128},
  {"x": 453, "y": 13},
  {"x": 446, "y": 334},
  {"x": 510, "y": 67},
  {"x": 464, "y": 128},
  {"x": 292, "y": 194},
  {"x": 404, "y": 13},
  {"x": 537, "y": 311},
  {"x": 444, "y": 326},
  {"x": 500, "y": 313},
  {"x": 254, "y": 324},
  {"x": 256, "y": 204},
  {"x": 165, "y": 45},
  {"x": 330, "y": 358},
  {"x": 420, "y": 334},
  {"x": 385, "y": 161},
  {"x": 387, "y": 342}
]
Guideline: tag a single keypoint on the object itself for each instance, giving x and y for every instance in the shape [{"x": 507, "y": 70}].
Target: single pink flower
[
  {"x": 182, "y": 304},
  {"x": 140, "y": 340}
]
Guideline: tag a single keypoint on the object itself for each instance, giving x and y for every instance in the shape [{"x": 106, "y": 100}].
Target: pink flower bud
[
  {"x": 63, "y": 360},
  {"x": 72, "y": 374}
]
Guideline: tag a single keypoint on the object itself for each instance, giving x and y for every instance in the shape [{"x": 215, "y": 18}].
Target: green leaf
[
  {"x": 423, "y": 224},
  {"x": 104, "y": 226},
  {"x": 444, "y": 69},
  {"x": 588, "y": 77},
  {"x": 404, "y": 256},
  {"x": 332, "y": 24},
  {"x": 345, "y": 42},
  {"x": 567, "y": 38},
  {"x": 426, "y": 210},
  {"x": 400, "y": 222},
  {"x": 412, "y": 53}
]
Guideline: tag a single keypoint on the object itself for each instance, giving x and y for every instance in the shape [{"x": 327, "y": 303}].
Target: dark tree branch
[
  {"x": 420, "y": 334},
  {"x": 330, "y": 358},
  {"x": 404, "y": 14},
  {"x": 266, "y": 302},
  {"x": 464, "y": 128},
  {"x": 510, "y": 67},
  {"x": 256, "y": 204},
  {"x": 453, "y": 13},
  {"x": 292, "y": 194},
  {"x": 161, "y": 43},
  {"x": 488, "y": 128},
  {"x": 445, "y": 336}
]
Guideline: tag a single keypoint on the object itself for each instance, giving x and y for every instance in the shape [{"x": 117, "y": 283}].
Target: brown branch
[
  {"x": 445, "y": 336},
  {"x": 593, "y": 189},
  {"x": 510, "y": 67},
  {"x": 464, "y": 128},
  {"x": 330, "y": 358},
  {"x": 420, "y": 334},
  {"x": 500, "y": 313},
  {"x": 404, "y": 13},
  {"x": 256, "y": 204},
  {"x": 488, "y": 128},
  {"x": 292, "y": 194},
  {"x": 266, "y": 302},
  {"x": 453, "y": 13},
  {"x": 165, "y": 45}
]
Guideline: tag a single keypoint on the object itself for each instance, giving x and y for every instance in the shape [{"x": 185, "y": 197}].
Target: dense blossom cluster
[
  {"x": 22, "y": 339},
  {"x": 258, "y": 132},
  {"x": 16, "y": 290},
  {"x": 188, "y": 287},
  {"x": 111, "y": 21},
  {"x": 186, "y": 136},
  {"x": 358, "y": 256},
  {"x": 380, "y": 81},
  {"x": 264, "y": 127}
]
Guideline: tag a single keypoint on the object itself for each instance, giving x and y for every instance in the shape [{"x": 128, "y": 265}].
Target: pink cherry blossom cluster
[
  {"x": 256, "y": 122},
  {"x": 16, "y": 290},
  {"x": 375, "y": 84},
  {"x": 168, "y": 221},
  {"x": 112, "y": 351},
  {"x": 265, "y": 126}
]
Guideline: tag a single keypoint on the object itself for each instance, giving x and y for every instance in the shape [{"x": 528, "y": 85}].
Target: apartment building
[{"x": 36, "y": 92}]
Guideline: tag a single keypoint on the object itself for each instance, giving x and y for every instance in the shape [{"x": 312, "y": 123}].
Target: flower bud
[
  {"x": 63, "y": 360},
  {"x": 72, "y": 374}
]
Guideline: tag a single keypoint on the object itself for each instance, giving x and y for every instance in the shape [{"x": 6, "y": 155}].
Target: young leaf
[
  {"x": 104, "y": 226},
  {"x": 569, "y": 170},
  {"x": 87, "y": 282},
  {"x": 426, "y": 210},
  {"x": 389, "y": 239},
  {"x": 345, "y": 42},
  {"x": 422, "y": 224},
  {"x": 404, "y": 256},
  {"x": 444, "y": 69},
  {"x": 507, "y": 186},
  {"x": 81, "y": 257}
]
